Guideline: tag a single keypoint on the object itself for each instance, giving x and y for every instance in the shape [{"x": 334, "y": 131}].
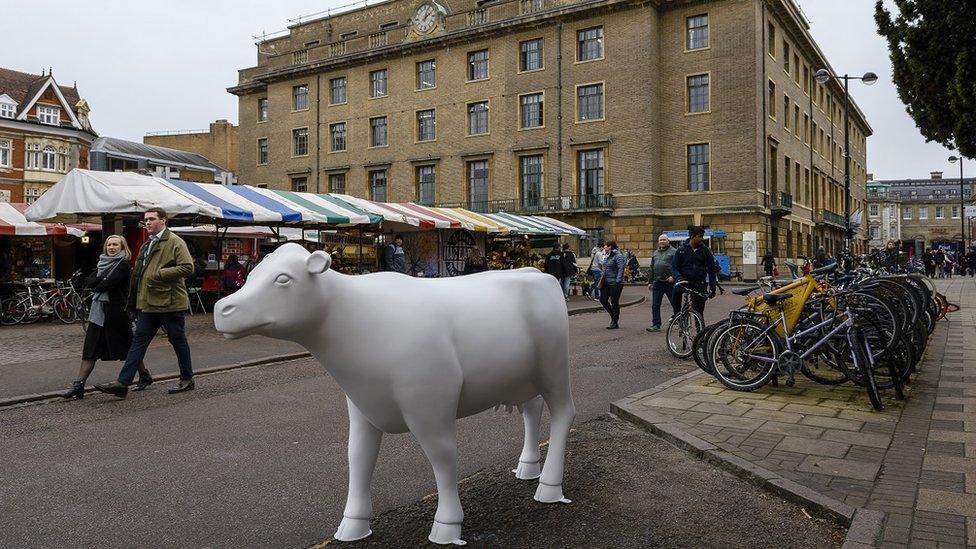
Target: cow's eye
[{"x": 282, "y": 279}]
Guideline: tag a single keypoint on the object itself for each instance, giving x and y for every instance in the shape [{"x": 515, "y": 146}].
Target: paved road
[{"x": 256, "y": 457}]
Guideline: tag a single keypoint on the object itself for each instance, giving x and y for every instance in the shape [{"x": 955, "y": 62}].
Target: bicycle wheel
[
  {"x": 864, "y": 368},
  {"x": 12, "y": 311},
  {"x": 64, "y": 311},
  {"x": 700, "y": 345},
  {"x": 744, "y": 356},
  {"x": 681, "y": 333}
]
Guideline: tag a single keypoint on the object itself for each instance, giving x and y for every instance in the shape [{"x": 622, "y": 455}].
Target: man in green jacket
[
  {"x": 158, "y": 295},
  {"x": 662, "y": 280}
]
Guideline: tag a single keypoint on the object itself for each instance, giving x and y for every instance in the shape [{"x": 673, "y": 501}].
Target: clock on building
[{"x": 426, "y": 17}]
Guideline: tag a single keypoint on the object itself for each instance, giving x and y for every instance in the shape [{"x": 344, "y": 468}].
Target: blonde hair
[{"x": 126, "y": 252}]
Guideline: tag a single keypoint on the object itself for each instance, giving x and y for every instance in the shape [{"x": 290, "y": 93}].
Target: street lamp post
[
  {"x": 962, "y": 202},
  {"x": 869, "y": 78}
]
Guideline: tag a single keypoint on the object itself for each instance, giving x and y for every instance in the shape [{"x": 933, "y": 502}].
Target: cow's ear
[{"x": 318, "y": 262}]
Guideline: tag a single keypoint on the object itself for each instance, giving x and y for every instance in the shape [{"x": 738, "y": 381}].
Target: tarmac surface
[{"x": 254, "y": 457}]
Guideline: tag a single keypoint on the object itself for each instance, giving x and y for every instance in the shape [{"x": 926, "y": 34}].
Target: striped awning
[
  {"x": 409, "y": 213},
  {"x": 478, "y": 221},
  {"x": 13, "y": 223},
  {"x": 528, "y": 224}
]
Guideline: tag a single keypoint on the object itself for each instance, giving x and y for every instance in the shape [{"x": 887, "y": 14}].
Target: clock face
[{"x": 425, "y": 18}]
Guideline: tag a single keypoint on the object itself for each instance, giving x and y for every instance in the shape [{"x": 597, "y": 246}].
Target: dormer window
[
  {"x": 8, "y": 110},
  {"x": 49, "y": 115}
]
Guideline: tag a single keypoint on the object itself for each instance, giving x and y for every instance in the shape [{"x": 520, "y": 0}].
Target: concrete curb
[
  {"x": 23, "y": 399},
  {"x": 864, "y": 526},
  {"x": 595, "y": 308}
]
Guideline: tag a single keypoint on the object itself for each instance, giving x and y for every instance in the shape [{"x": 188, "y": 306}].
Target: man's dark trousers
[
  {"x": 147, "y": 324},
  {"x": 659, "y": 289},
  {"x": 610, "y": 299},
  {"x": 697, "y": 303}
]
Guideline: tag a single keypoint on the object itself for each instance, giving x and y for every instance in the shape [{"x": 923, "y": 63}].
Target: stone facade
[
  {"x": 217, "y": 144},
  {"x": 654, "y": 163}
]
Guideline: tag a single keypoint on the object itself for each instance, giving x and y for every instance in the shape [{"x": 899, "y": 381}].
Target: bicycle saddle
[
  {"x": 773, "y": 299},
  {"x": 745, "y": 291}
]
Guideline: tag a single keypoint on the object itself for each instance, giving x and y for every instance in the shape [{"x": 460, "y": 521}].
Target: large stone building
[
  {"x": 44, "y": 133},
  {"x": 626, "y": 118},
  {"x": 929, "y": 211},
  {"x": 218, "y": 143}
]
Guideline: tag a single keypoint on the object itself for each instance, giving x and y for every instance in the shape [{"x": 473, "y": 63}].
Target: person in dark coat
[
  {"x": 769, "y": 263},
  {"x": 554, "y": 263},
  {"x": 109, "y": 333},
  {"x": 235, "y": 275},
  {"x": 570, "y": 269}
]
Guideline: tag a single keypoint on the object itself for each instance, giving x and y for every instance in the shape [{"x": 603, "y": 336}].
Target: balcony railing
[
  {"x": 378, "y": 39},
  {"x": 576, "y": 203},
  {"x": 784, "y": 205},
  {"x": 477, "y": 16},
  {"x": 830, "y": 218}
]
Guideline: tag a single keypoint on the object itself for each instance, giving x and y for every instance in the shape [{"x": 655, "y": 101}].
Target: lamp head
[
  {"x": 954, "y": 159},
  {"x": 822, "y": 76},
  {"x": 869, "y": 78}
]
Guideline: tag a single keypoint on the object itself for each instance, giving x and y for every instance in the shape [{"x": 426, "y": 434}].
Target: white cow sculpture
[{"x": 415, "y": 354}]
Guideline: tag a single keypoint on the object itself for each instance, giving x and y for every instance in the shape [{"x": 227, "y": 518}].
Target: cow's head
[{"x": 282, "y": 298}]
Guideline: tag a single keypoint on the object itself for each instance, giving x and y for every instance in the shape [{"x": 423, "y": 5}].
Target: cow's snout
[{"x": 225, "y": 310}]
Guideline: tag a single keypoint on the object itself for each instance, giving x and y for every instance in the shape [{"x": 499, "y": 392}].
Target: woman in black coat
[{"x": 109, "y": 333}]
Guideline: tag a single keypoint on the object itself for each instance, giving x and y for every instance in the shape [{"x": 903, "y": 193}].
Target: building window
[
  {"x": 478, "y": 65},
  {"x": 772, "y": 100},
  {"x": 906, "y": 213},
  {"x": 786, "y": 112},
  {"x": 697, "y": 32},
  {"x": 478, "y": 118},
  {"x": 377, "y": 185},
  {"x": 786, "y": 56},
  {"x": 299, "y": 97},
  {"x": 377, "y": 132},
  {"x": 33, "y": 152},
  {"x": 263, "y": 150},
  {"x": 530, "y": 177},
  {"x": 299, "y": 139},
  {"x": 873, "y": 210},
  {"x": 478, "y": 185},
  {"x": 698, "y": 168},
  {"x": 31, "y": 195},
  {"x": 426, "y": 125},
  {"x": 940, "y": 212},
  {"x": 796, "y": 120},
  {"x": 875, "y": 233},
  {"x": 337, "y": 91},
  {"x": 771, "y": 39},
  {"x": 425, "y": 185},
  {"x": 531, "y": 111},
  {"x": 47, "y": 158},
  {"x": 426, "y": 75},
  {"x": 337, "y": 183},
  {"x": 589, "y": 44},
  {"x": 263, "y": 109},
  {"x": 530, "y": 55},
  {"x": 955, "y": 212},
  {"x": 589, "y": 102},
  {"x": 49, "y": 115},
  {"x": 698, "y": 93},
  {"x": 377, "y": 83},
  {"x": 590, "y": 174},
  {"x": 5, "y": 152},
  {"x": 8, "y": 110},
  {"x": 299, "y": 184},
  {"x": 337, "y": 136}
]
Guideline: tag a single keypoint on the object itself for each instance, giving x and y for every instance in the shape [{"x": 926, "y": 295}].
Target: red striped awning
[{"x": 13, "y": 223}]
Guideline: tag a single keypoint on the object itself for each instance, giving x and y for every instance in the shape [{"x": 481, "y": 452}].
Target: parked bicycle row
[
  {"x": 861, "y": 324},
  {"x": 64, "y": 300}
]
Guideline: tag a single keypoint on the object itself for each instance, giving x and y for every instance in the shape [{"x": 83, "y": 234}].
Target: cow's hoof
[
  {"x": 528, "y": 470},
  {"x": 352, "y": 529},
  {"x": 550, "y": 494},
  {"x": 446, "y": 534}
]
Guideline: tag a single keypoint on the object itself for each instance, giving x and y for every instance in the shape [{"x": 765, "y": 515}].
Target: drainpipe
[
  {"x": 765, "y": 138},
  {"x": 318, "y": 148},
  {"x": 559, "y": 109}
]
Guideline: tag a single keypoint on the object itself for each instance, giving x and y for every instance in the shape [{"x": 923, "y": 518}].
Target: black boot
[
  {"x": 77, "y": 390},
  {"x": 145, "y": 380}
]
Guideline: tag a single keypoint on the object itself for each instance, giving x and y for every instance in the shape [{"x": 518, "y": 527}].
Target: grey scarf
[{"x": 106, "y": 264}]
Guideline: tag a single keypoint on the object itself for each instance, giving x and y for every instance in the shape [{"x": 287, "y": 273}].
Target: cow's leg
[
  {"x": 364, "y": 447},
  {"x": 529, "y": 466},
  {"x": 559, "y": 399},
  {"x": 433, "y": 425}
]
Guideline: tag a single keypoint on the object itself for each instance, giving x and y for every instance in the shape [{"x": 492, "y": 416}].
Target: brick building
[
  {"x": 218, "y": 143},
  {"x": 621, "y": 117},
  {"x": 929, "y": 211},
  {"x": 44, "y": 133}
]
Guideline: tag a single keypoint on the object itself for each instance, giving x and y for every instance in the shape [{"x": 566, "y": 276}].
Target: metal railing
[
  {"x": 785, "y": 202},
  {"x": 574, "y": 203},
  {"x": 832, "y": 218}
]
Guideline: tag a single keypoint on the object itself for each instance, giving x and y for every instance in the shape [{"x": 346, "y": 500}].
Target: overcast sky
[{"x": 151, "y": 66}]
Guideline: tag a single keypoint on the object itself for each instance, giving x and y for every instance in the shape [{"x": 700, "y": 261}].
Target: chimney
[
  {"x": 870, "y": 176},
  {"x": 936, "y": 175}
]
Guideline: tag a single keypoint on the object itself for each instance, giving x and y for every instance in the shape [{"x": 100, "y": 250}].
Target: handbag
[{"x": 775, "y": 271}]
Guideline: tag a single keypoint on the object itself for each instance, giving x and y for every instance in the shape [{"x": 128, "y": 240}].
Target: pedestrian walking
[
  {"x": 570, "y": 269},
  {"x": 940, "y": 260},
  {"x": 613, "y": 283},
  {"x": 554, "y": 263},
  {"x": 597, "y": 257},
  {"x": 158, "y": 295},
  {"x": 109, "y": 333},
  {"x": 694, "y": 263},
  {"x": 928, "y": 260},
  {"x": 662, "y": 280},
  {"x": 394, "y": 258},
  {"x": 769, "y": 263},
  {"x": 971, "y": 261}
]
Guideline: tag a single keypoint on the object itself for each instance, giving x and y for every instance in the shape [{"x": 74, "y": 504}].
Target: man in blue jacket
[{"x": 695, "y": 263}]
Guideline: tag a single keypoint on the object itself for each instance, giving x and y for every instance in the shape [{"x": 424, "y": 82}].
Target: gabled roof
[
  {"x": 26, "y": 89},
  {"x": 160, "y": 155}
]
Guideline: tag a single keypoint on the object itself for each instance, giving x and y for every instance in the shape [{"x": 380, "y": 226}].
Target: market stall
[{"x": 41, "y": 250}]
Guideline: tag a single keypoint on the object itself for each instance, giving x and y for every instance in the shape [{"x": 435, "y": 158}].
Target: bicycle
[
  {"x": 686, "y": 324},
  {"x": 34, "y": 302}
]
